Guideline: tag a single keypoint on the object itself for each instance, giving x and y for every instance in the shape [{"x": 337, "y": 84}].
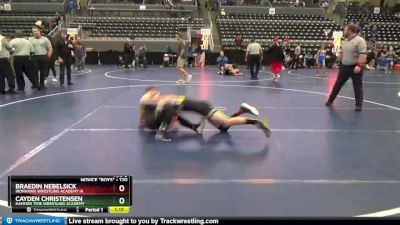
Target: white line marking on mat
[
  {"x": 303, "y": 91},
  {"x": 82, "y": 73},
  {"x": 261, "y": 181},
  {"x": 5, "y": 204},
  {"x": 258, "y": 107},
  {"x": 325, "y": 78},
  {"x": 77, "y": 91},
  {"x": 43, "y": 145},
  {"x": 107, "y": 74},
  {"x": 238, "y": 130},
  {"x": 384, "y": 213}
]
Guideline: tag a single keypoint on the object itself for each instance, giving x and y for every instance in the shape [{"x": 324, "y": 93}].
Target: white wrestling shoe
[
  {"x": 180, "y": 81},
  {"x": 189, "y": 78},
  {"x": 246, "y": 108}
]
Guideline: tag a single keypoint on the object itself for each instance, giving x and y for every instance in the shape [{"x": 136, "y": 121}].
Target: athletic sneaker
[
  {"x": 54, "y": 80},
  {"x": 264, "y": 125},
  {"x": 246, "y": 108},
  {"x": 189, "y": 77},
  {"x": 162, "y": 136},
  {"x": 180, "y": 81},
  {"x": 200, "y": 127}
]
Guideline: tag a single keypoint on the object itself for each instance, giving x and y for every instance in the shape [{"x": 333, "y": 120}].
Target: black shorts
[
  {"x": 228, "y": 72},
  {"x": 203, "y": 108},
  {"x": 154, "y": 125},
  {"x": 150, "y": 120},
  {"x": 153, "y": 121}
]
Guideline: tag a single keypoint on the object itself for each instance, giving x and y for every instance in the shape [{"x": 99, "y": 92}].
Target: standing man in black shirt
[
  {"x": 129, "y": 54},
  {"x": 277, "y": 58},
  {"x": 254, "y": 56},
  {"x": 64, "y": 48}
]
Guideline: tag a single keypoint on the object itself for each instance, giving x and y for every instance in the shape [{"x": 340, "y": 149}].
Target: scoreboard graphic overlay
[{"x": 78, "y": 194}]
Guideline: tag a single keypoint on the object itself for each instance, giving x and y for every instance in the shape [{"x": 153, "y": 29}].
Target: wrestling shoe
[
  {"x": 189, "y": 78},
  {"x": 264, "y": 125},
  {"x": 162, "y": 136},
  {"x": 246, "y": 108},
  {"x": 223, "y": 129},
  {"x": 180, "y": 81},
  {"x": 328, "y": 104}
]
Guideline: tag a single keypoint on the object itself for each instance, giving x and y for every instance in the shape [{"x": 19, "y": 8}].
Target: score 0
[
  {"x": 122, "y": 193},
  {"x": 121, "y": 190}
]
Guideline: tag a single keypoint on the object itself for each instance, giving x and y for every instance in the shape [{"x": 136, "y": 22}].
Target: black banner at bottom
[
  {"x": 222, "y": 221},
  {"x": 60, "y": 210}
]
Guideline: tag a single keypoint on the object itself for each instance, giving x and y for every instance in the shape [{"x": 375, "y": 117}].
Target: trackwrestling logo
[
  {"x": 9, "y": 220},
  {"x": 33, "y": 220}
]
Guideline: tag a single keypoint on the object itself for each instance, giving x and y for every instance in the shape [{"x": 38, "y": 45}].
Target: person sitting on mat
[
  {"x": 169, "y": 106},
  {"x": 222, "y": 60}
]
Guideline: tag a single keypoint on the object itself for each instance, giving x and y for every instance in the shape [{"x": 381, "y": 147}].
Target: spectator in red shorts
[{"x": 275, "y": 52}]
